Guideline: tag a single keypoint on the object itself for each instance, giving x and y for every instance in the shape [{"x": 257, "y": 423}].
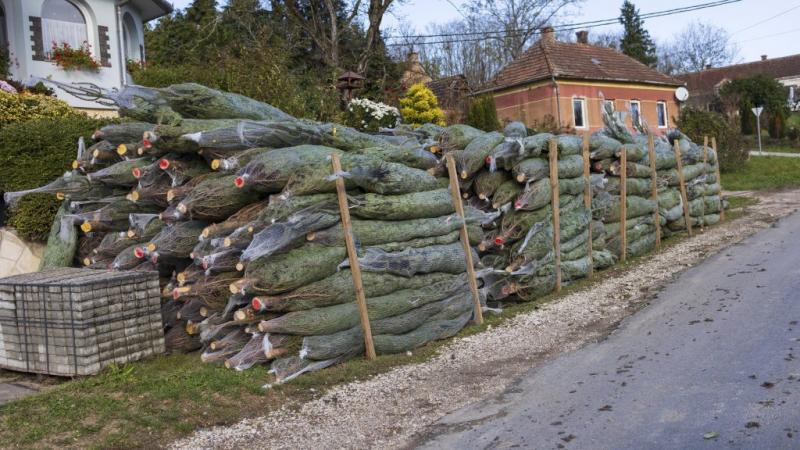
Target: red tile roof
[
  {"x": 706, "y": 81},
  {"x": 551, "y": 58}
]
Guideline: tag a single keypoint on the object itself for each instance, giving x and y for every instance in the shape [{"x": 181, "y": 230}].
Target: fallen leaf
[{"x": 710, "y": 435}]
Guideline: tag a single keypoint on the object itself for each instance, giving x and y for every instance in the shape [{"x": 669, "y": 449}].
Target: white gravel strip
[{"x": 388, "y": 410}]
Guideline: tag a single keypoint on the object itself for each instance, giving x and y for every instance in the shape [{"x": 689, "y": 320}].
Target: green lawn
[
  {"x": 764, "y": 173},
  {"x": 150, "y": 403}
]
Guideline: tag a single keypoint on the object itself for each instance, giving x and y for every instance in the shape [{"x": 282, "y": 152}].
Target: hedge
[
  {"x": 697, "y": 123},
  {"x": 17, "y": 108},
  {"x": 34, "y": 153}
]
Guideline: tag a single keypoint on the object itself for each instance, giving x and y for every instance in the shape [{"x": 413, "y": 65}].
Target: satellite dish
[{"x": 682, "y": 94}]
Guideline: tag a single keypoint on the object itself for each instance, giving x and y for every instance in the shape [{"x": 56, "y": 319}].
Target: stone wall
[{"x": 16, "y": 255}]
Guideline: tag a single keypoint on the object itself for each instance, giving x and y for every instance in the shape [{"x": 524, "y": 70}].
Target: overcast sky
[{"x": 758, "y": 27}]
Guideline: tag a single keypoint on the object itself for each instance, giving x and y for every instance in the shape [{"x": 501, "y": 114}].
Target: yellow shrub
[
  {"x": 15, "y": 108},
  {"x": 420, "y": 106}
]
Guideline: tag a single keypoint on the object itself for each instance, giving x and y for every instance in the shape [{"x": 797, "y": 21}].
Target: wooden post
[
  {"x": 553, "y": 153},
  {"x": 651, "y": 152},
  {"x": 705, "y": 163},
  {"x": 719, "y": 180},
  {"x": 587, "y": 200},
  {"x": 623, "y": 205},
  {"x": 355, "y": 268},
  {"x": 684, "y": 198},
  {"x": 455, "y": 193}
]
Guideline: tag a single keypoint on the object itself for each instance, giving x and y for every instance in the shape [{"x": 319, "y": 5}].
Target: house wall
[
  {"x": 97, "y": 13},
  {"x": 790, "y": 81},
  {"x": 530, "y": 104}
]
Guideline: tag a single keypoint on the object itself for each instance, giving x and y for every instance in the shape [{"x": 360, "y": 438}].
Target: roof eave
[{"x": 159, "y": 8}]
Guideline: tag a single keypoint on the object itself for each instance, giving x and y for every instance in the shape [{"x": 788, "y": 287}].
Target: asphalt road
[{"x": 712, "y": 362}]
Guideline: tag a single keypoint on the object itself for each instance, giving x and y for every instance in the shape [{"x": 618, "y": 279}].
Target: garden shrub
[
  {"x": 697, "y": 123},
  {"x": 483, "y": 114},
  {"x": 420, "y": 106},
  {"x": 366, "y": 115},
  {"x": 793, "y": 134},
  {"x": 15, "y": 108},
  {"x": 32, "y": 154},
  {"x": 33, "y": 216}
]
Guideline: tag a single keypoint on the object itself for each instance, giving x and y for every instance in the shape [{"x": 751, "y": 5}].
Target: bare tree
[
  {"x": 324, "y": 22},
  {"x": 519, "y": 19},
  {"x": 608, "y": 39},
  {"x": 698, "y": 46},
  {"x": 492, "y": 33}
]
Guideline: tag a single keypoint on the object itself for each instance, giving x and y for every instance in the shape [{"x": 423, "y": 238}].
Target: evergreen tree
[
  {"x": 483, "y": 114},
  {"x": 420, "y": 106},
  {"x": 636, "y": 41}
]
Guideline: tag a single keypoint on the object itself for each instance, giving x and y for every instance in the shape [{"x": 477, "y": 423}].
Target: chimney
[
  {"x": 583, "y": 36},
  {"x": 763, "y": 57},
  {"x": 548, "y": 35},
  {"x": 707, "y": 66}
]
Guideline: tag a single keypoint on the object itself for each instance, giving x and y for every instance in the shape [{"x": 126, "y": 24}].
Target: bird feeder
[{"x": 348, "y": 82}]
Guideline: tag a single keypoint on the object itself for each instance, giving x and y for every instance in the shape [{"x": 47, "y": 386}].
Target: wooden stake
[
  {"x": 684, "y": 198},
  {"x": 553, "y": 153},
  {"x": 355, "y": 268},
  {"x": 703, "y": 203},
  {"x": 651, "y": 152},
  {"x": 623, "y": 205},
  {"x": 719, "y": 180},
  {"x": 587, "y": 200},
  {"x": 455, "y": 194}
]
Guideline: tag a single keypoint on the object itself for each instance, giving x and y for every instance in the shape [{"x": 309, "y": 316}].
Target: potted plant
[{"x": 69, "y": 58}]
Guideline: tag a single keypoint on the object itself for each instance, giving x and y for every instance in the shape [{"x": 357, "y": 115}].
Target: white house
[{"x": 113, "y": 28}]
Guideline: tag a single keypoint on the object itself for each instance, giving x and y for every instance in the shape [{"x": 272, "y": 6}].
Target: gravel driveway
[{"x": 394, "y": 409}]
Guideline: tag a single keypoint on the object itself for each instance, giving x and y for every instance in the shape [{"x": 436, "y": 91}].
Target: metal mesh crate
[{"x": 76, "y": 321}]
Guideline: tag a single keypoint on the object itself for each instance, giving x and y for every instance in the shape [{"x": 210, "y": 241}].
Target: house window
[
  {"x": 608, "y": 105},
  {"x": 661, "y": 110},
  {"x": 636, "y": 117},
  {"x": 579, "y": 112},
  {"x": 62, "y": 22},
  {"x": 130, "y": 39}
]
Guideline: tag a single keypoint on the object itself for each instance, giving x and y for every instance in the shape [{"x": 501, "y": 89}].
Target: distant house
[
  {"x": 704, "y": 85},
  {"x": 113, "y": 28},
  {"x": 453, "y": 95},
  {"x": 452, "y": 92},
  {"x": 565, "y": 84}
]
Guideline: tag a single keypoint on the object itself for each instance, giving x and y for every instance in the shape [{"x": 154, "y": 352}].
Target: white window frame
[
  {"x": 584, "y": 113},
  {"x": 610, "y": 102},
  {"x": 663, "y": 104},
  {"x": 638, "y": 116}
]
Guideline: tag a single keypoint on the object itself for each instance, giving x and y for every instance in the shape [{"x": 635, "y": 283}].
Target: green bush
[
  {"x": 483, "y": 114},
  {"x": 697, "y": 124},
  {"x": 33, "y": 154},
  {"x": 33, "y": 216},
  {"x": 16, "y": 108}
]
